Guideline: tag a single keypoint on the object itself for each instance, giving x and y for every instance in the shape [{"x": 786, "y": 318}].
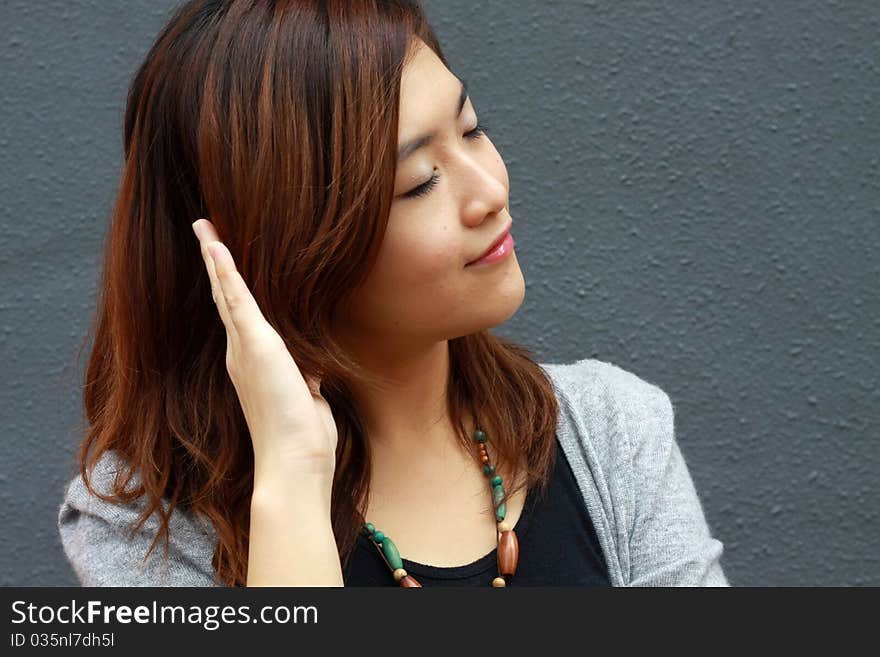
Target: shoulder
[
  {"x": 618, "y": 430},
  {"x": 102, "y": 545},
  {"x": 79, "y": 499},
  {"x": 101, "y": 477},
  {"x": 607, "y": 398},
  {"x": 605, "y": 412},
  {"x": 609, "y": 419}
]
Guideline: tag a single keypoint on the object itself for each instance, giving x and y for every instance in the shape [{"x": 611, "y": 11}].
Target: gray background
[{"x": 694, "y": 188}]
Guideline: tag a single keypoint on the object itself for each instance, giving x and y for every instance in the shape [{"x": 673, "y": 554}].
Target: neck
[{"x": 407, "y": 415}]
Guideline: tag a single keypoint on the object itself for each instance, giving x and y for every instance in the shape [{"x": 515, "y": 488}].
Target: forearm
[{"x": 291, "y": 535}]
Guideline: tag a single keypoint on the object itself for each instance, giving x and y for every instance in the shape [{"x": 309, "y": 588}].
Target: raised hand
[{"x": 291, "y": 424}]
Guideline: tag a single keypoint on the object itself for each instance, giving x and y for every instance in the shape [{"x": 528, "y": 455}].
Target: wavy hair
[{"x": 276, "y": 119}]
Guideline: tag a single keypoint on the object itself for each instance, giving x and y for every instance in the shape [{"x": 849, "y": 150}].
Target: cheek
[
  {"x": 417, "y": 281},
  {"x": 421, "y": 256}
]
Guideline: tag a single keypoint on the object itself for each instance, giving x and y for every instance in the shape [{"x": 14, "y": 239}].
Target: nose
[{"x": 485, "y": 186}]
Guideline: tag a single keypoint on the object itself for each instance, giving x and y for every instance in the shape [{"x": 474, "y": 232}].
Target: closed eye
[
  {"x": 477, "y": 132},
  {"x": 426, "y": 187}
]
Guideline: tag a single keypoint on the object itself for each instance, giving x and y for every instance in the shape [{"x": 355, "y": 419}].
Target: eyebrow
[{"x": 413, "y": 145}]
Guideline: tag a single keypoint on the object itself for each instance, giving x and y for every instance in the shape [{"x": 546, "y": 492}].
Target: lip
[{"x": 500, "y": 247}]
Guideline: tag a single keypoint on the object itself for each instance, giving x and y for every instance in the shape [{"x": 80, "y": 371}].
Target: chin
[
  {"x": 516, "y": 300},
  {"x": 513, "y": 286},
  {"x": 501, "y": 303}
]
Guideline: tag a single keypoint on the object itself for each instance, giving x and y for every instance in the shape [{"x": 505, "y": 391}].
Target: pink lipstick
[{"x": 497, "y": 252}]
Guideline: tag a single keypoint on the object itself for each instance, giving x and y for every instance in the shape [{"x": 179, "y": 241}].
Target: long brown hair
[{"x": 278, "y": 121}]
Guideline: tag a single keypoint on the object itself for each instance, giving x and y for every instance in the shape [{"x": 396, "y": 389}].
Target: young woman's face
[{"x": 421, "y": 289}]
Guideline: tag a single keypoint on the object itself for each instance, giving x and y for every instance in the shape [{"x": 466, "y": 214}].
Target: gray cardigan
[{"x": 615, "y": 429}]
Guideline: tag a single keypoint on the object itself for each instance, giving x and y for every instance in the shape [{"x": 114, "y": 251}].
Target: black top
[{"x": 557, "y": 546}]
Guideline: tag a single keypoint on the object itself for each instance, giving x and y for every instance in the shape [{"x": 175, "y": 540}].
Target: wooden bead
[
  {"x": 499, "y": 582},
  {"x": 508, "y": 553},
  {"x": 399, "y": 574},
  {"x": 409, "y": 582},
  {"x": 484, "y": 458},
  {"x": 503, "y": 527}
]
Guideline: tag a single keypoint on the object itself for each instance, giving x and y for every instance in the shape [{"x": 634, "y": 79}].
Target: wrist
[
  {"x": 280, "y": 462},
  {"x": 289, "y": 485}
]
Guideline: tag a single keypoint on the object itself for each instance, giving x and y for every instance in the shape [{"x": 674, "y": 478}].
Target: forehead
[{"x": 425, "y": 89}]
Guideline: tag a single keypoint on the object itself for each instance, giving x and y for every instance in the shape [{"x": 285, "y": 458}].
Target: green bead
[
  {"x": 488, "y": 470},
  {"x": 370, "y": 527},
  {"x": 378, "y": 537},
  {"x": 496, "y": 480},
  {"x": 391, "y": 553},
  {"x": 479, "y": 436},
  {"x": 497, "y": 496}
]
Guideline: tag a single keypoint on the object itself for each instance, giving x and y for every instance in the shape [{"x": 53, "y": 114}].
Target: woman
[{"x": 308, "y": 393}]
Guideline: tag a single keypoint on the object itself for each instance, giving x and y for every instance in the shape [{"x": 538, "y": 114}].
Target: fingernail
[{"x": 196, "y": 230}]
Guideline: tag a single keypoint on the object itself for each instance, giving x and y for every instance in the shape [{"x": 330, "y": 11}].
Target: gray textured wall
[{"x": 696, "y": 194}]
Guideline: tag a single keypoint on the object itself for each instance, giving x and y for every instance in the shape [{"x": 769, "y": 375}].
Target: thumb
[{"x": 314, "y": 384}]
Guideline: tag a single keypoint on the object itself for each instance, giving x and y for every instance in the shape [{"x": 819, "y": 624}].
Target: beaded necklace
[{"x": 508, "y": 546}]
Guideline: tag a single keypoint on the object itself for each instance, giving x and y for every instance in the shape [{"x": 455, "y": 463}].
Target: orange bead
[
  {"x": 484, "y": 458},
  {"x": 508, "y": 553},
  {"x": 410, "y": 582}
]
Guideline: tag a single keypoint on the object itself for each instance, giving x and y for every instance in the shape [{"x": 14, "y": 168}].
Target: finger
[
  {"x": 219, "y": 293},
  {"x": 242, "y": 308},
  {"x": 205, "y": 231}
]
